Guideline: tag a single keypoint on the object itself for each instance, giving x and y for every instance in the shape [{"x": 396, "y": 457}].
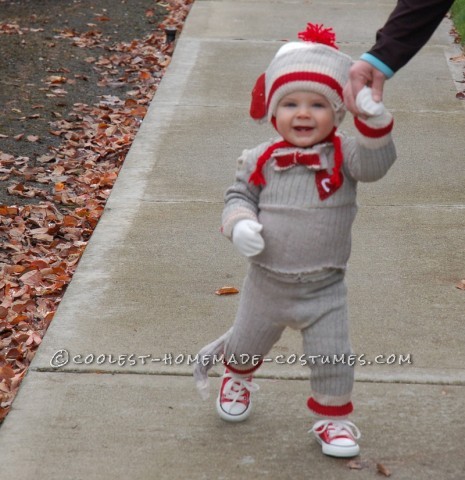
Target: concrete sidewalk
[{"x": 146, "y": 283}]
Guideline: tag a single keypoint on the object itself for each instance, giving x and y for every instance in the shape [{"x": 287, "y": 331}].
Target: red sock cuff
[
  {"x": 238, "y": 371},
  {"x": 372, "y": 132},
  {"x": 329, "y": 410}
]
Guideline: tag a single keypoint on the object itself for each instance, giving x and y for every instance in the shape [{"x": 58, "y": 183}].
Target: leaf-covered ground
[{"x": 76, "y": 78}]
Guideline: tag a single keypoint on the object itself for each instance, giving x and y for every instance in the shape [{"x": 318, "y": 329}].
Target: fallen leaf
[
  {"x": 227, "y": 291},
  {"x": 458, "y": 58},
  {"x": 14, "y": 269},
  {"x": 144, "y": 75},
  {"x": 32, "y": 278},
  {"x": 461, "y": 285},
  {"x": 32, "y": 138},
  {"x": 130, "y": 102},
  {"x": 354, "y": 465},
  {"x": 460, "y": 95},
  {"x": 383, "y": 470},
  {"x": 6, "y": 372},
  {"x": 45, "y": 158},
  {"x": 56, "y": 79},
  {"x": 15, "y": 352}
]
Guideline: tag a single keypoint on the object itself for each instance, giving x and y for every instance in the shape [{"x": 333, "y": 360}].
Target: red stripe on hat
[
  {"x": 304, "y": 77},
  {"x": 371, "y": 132}
]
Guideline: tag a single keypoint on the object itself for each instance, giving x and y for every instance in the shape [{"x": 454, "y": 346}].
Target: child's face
[{"x": 304, "y": 118}]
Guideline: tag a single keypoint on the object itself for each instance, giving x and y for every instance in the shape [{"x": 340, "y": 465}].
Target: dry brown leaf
[
  {"x": 458, "y": 58},
  {"x": 145, "y": 76},
  {"x": 14, "y": 269},
  {"x": 357, "y": 464},
  {"x": 130, "y": 102},
  {"x": 56, "y": 79},
  {"x": 354, "y": 465},
  {"x": 383, "y": 470},
  {"x": 227, "y": 291},
  {"x": 461, "y": 285},
  {"x": 6, "y": 372},
  {"x": 45, "y": 158}
]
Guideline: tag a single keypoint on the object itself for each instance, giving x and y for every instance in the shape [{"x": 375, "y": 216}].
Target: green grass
[{"x": 458, "y": 16}]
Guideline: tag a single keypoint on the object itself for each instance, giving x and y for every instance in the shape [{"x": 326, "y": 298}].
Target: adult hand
[{"x": 363, "y": 74}]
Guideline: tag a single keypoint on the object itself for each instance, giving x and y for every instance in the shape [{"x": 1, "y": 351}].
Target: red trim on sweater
[
  {"x": 329, "y": 410},
  {"x": 371, "y": 132},
  {"x": 257, "y": 177},
  {"x": 305, "y": 77}
]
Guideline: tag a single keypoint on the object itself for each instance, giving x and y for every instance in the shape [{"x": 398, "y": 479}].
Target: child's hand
[
  {"x": 367, "y": 105},
  {"x": 247, "y": 239}
]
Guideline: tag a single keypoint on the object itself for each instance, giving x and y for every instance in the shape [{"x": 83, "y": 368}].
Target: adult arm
[
  {"x": 406, "y": 31},
  {"x": 410, "y": 25}
]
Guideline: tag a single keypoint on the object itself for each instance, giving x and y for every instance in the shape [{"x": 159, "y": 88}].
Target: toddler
[{"x": 290, "y": 211}]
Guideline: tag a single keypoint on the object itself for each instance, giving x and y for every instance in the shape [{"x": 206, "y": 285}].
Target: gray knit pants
[{"x": 318, "y": 309}]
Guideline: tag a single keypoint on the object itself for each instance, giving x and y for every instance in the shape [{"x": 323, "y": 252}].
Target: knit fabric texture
[
  {"x": 302, "y": 66},
  {"x": 308, "y": 67},
  {"x": 303, "y": 233}
]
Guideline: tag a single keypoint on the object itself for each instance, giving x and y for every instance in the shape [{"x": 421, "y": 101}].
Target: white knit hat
[{"x": 314, "y": 65}]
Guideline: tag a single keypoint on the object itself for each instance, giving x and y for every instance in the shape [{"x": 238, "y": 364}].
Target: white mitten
[
  {"x": 367, "y": 105},
  {"x": 247, "y": 239}
]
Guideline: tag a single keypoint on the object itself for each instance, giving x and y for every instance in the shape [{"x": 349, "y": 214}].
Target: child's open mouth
[{"x": 303, "y": 129}]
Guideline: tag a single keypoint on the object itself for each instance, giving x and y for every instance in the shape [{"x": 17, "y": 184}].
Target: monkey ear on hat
[{"x": 258, "y": 102}]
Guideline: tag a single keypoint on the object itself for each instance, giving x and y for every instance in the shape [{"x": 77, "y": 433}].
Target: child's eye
[
  {"x": 319, "y": 105},
  {"x": 290, "y": 104}
]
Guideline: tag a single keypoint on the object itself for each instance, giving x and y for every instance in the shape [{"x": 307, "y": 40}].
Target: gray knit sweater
[{"x": 304, "y": 234}]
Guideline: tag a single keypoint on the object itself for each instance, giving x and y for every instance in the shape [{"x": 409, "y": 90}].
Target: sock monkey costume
[{"x": 305, "y": 198}]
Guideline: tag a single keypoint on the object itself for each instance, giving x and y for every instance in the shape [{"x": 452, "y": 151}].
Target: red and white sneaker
[
  {"x": 234, "y": 403},
  {"x": 338, "y": 438}
]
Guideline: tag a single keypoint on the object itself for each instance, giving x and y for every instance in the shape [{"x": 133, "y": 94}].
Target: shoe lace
[
  {"x": 336, "y": 428},
  {"x": 236, "y": 387}
]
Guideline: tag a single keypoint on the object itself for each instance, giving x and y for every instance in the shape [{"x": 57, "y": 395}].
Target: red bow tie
[{"x": 288, "y": 160}]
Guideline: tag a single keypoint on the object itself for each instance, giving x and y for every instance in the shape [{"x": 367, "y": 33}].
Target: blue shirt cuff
[{"x": 378, "y": 64}]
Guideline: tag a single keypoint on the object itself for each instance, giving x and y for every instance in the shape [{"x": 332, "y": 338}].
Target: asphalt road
[{"x": 34, "y": 48}]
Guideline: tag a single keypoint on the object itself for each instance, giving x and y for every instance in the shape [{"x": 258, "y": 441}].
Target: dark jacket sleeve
[{"x": 407, "y": 29}]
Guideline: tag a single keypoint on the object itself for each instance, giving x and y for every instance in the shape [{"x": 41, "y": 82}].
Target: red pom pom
[{"x": 318, "y": 34}]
